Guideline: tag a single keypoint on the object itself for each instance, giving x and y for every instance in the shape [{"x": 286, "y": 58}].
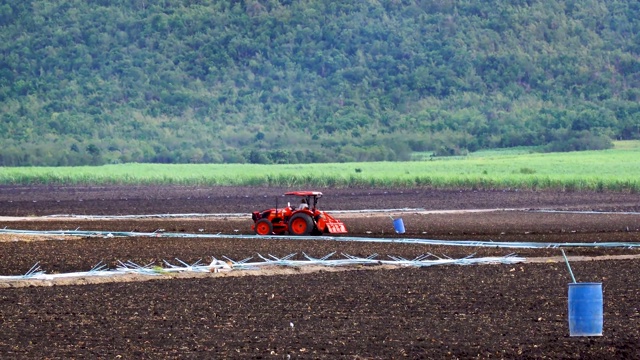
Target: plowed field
[{"x": 484, "y": 311}]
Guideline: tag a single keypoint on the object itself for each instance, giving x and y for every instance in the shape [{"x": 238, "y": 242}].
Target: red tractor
[{"x": 305, "y": 219}]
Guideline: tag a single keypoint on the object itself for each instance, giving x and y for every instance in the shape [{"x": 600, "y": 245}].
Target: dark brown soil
[
  {"x": 490, "y": 311},
  {"x": 123, "y": 200}
]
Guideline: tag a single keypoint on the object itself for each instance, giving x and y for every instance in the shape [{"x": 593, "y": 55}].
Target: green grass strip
[{"x": 616, "y": 170}]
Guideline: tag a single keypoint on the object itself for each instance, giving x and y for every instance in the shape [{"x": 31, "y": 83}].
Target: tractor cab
[
  {"x": 309, "y": 199},
  {"x": 304, "y": 219}
]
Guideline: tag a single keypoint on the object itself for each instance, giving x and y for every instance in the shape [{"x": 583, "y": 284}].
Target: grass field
[{"x": 612, "y": 170}]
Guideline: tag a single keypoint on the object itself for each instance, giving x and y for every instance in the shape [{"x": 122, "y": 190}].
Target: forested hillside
[{"x": 279, "y": 81}]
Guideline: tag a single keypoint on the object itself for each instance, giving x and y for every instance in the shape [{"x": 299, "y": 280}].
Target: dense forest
[{"x": 280, "y": 81}]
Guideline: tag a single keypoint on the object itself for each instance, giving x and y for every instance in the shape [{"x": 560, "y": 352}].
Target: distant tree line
[{"x": 277, "y": 81}]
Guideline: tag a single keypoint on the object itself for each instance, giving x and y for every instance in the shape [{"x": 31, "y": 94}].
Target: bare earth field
[{"x": 484, "y": 311}]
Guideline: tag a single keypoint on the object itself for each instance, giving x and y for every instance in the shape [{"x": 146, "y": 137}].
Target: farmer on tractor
[{"x": 303, "y": 205}]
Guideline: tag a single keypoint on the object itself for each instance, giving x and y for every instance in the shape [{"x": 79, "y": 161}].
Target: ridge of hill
[{"x": 278, "y": 81}]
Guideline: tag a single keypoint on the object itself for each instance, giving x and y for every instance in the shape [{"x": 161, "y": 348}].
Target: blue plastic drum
[
  {"x": 398, "y": 225},
  {"x": 585, "y": 309}
]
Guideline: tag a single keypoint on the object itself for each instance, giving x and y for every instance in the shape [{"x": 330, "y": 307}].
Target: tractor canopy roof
[{"x": 305, "y": 193}]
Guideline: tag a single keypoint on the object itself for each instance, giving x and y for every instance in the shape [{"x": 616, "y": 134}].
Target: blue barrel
[
  {"x": 398, "y": 224},
  {"x": 585, "y": 309}
]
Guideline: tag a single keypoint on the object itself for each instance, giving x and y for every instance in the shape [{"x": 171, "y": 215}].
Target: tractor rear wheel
[
  {"x": 264, "y": 227},
  {"x": 300, "y": 224}
]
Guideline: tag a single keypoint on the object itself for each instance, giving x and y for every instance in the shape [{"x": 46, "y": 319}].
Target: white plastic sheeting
[{"x": 216, "y": 265}]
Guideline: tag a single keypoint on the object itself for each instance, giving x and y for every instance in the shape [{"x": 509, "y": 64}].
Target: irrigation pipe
[
  {"x": 218, "y": 215},
  {"x": 586, "y": 212},
  {"x": 462, "y": 243},
  {"x": 149, "y": 216},
  {"x": 568, "y": 266},
  {"x": 398, "y": 210}
]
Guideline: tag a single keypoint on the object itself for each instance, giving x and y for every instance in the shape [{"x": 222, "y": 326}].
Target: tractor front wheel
[
  {"x": 300, "y": 224},
  {"x": 264, "y": 227}
]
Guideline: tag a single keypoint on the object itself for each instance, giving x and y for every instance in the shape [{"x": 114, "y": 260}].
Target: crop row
[{"x": 609, "y": 170}]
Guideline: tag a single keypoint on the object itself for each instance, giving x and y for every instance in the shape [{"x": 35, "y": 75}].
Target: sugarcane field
[{"x": 238, "y": 272}]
